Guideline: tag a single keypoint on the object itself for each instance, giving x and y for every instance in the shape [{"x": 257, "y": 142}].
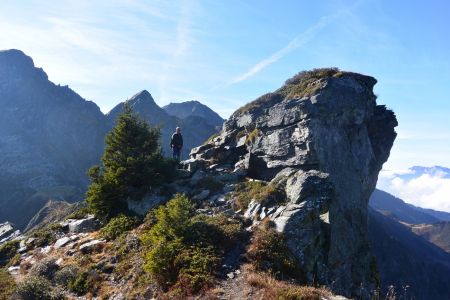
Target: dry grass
[
  {"x": 259, "y": 191},
  {"x": 251, "y": 137},
  {"x": 279, "y": 290}
]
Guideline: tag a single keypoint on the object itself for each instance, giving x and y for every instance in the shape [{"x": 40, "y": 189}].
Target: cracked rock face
[{"x": 323, "y": 138}]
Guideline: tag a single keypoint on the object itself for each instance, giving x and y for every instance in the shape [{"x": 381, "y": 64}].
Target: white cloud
[{"x": 425, "y": 190}]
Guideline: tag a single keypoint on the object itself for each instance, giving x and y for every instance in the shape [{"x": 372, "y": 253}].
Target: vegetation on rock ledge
[{"x": 259, "y": 191}]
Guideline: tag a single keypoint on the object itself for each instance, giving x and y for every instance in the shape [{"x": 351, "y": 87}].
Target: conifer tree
[{"x": 131, "y": 163}]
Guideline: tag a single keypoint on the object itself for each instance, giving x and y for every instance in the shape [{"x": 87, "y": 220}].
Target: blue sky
[{"x": 226, "y": 53}]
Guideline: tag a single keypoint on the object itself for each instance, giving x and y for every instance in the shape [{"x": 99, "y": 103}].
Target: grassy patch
[
  {"x": 268, "y": 253},
  {"x": 274, "y": 289},
  {"x": 305, "y": 83},
  {"x": 259, "y": 191},
  {"x": 251, "y": 137},
  {"x": 301, "y": 85},
  {"x": 264, "y": 99},
  {"x": 46, "y": 235},
  {"x": 7, "y": 284},
  {"x": 209, "y": 140}
]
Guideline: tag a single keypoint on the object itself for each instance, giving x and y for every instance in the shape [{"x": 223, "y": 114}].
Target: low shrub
[
  {"x": 15, "y": 260},
  {"x": 46, "y": 235},
  {"x": 218, "y": 230},
  {"x": 7, "y": 284},
  {"x": 196, "y": 266},
  {"x": 269, "y": 253},
  {"x": 44, "y": 268},
  {"x": 7, "y": 251},
  {"x": 80, "y": 213},
  {"x": 35, "y": 287},
  {"x": 66, "y": 274},
  {"x": 184, "y": 249},
  {"x": 262, "y": 192},
  {"x": 118, "y": 226},
  {"x": 84, "y": 282}
]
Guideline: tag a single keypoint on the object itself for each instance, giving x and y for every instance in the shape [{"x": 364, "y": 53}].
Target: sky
[{"x": 227, "y": 53}]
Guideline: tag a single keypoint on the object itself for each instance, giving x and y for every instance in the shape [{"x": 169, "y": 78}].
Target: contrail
[{"x": 299, "y": 41}]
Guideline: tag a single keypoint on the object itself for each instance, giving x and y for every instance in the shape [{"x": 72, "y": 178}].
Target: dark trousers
[{"x": 176, "y": 152}]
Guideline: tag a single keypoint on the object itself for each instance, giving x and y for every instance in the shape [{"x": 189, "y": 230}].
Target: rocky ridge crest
[{"x": 322, "y": 139}]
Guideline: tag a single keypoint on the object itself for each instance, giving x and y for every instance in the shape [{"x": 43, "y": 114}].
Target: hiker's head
[{"x": 178, "y": 130}]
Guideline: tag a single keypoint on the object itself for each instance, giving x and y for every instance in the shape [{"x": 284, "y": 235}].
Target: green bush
[
  {"x": 7, "y": 284},
  {"x": 46, "y": 235},
  {"x": 268, "y": 252},
  {"x": 86, "y": 281},
  {"x": 131, "y": 163},
  {"x": 117, "y": 226},
  {"x": 44, "y": 268},
  {"x": 80, "y": 213},
  {"x": 259, "y": 191},
  {"x": 37, "y": 288},
  {"x": 7, "y": 251},
  {"x": 66, "y": 274},
  {"x": 184, "y": 249}
]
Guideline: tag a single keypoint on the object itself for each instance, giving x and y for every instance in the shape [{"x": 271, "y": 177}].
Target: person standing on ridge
[{"x": 176, "y": 143}]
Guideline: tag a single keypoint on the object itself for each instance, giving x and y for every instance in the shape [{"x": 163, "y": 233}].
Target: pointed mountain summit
[
  {"x": 195, "y": 128},
  {"x": 49, "y": 137},
  {"x": 143, "y": 104}
]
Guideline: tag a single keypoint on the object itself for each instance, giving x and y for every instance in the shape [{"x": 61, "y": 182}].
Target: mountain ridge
[{"x": 50, "y": 136}]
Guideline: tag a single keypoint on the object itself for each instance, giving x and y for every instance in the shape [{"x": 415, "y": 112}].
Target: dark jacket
[{"x": 176, "y": 140}]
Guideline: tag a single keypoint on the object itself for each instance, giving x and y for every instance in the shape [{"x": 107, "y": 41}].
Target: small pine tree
[{"x": 131, "y": 163}]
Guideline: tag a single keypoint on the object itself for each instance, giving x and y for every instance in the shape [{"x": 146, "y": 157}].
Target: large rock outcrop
[{"x": 323, "y": 138}]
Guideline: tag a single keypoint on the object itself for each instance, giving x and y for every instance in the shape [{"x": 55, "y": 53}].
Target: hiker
[{"x": 176, "y": 143}]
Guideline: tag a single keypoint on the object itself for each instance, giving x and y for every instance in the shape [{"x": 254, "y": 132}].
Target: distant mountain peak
[
  {"x": 15, "y": 63},
  {"x": 142, "y": 98},
  {"x": 193, "y": 108},
  {"x": 15, "y": 53}
]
